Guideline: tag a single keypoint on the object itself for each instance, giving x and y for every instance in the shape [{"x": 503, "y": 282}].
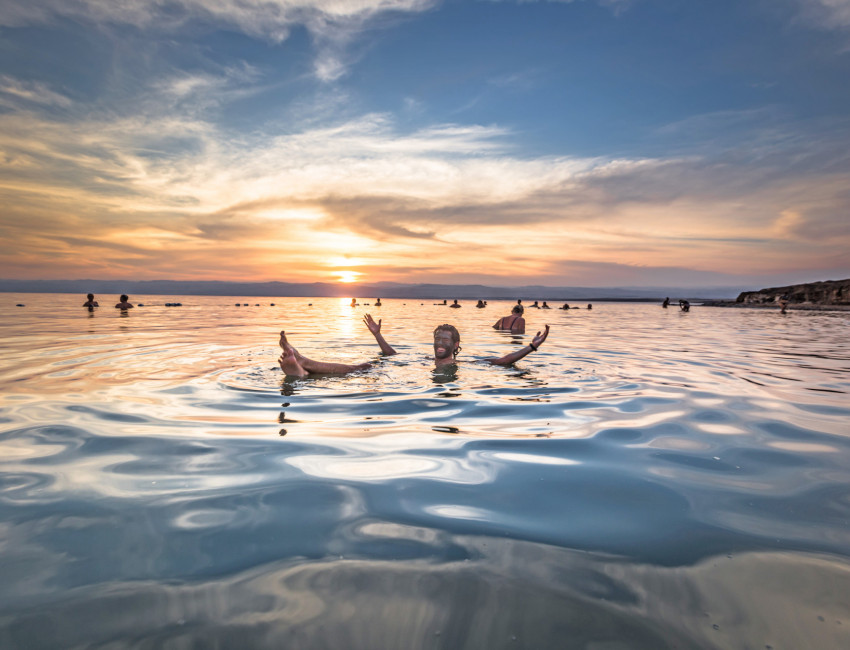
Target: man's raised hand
[
  {"x": 374, "y": 327},
  {"x": 541, "y": 336}
]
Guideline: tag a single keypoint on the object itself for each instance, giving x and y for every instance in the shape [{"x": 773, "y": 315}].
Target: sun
[{"x": 347, "y": 277}]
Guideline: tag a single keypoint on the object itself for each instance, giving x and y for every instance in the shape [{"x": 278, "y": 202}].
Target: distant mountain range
[{"x": 372, "y": 290}]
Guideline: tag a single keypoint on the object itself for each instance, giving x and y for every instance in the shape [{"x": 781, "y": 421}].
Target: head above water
[
  {"x": 90, "y": 296},
  {"x": 124, "y": 297},
  {"x": 446, "y": 341},
  {"x": 518, "y": 309}
]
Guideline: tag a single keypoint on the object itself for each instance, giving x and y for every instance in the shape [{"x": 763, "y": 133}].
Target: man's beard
[{"x": 445, "y": 354}]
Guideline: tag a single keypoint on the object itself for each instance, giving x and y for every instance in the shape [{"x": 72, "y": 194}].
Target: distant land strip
[{"x": 372, "y": 290}]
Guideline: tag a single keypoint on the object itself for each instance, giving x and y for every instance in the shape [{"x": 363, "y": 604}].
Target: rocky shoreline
[{"x": 831, "y": 295}]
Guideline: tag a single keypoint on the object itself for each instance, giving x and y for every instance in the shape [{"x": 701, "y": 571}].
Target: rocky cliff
[{"x": 831, "y": 292}]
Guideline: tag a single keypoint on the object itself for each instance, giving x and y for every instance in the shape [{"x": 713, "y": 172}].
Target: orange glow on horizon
[{"x": 347, "y": 277}]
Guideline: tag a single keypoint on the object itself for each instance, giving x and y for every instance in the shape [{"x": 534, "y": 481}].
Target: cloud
[
  {"x": 160, "y": 189},
  {"x": 520, "y": 81},
  {"x": 333, "y": 24},
  {"x": 270, "y": 19},
  {"x": 829, "y": 14},
  {"x": 16, "y": 93},
  {"x": 587, "y": 273},
  {"x": 203, "y": 87}
]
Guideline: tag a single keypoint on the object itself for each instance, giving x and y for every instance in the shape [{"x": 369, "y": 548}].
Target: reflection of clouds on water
[
  {"x": 536, "y": 459},
  {"x": 467, "y": 513},
  {"x": 481, "y": 593},
  {"x": 324, "y": 541},
  {"x": 377, "y": 469}
]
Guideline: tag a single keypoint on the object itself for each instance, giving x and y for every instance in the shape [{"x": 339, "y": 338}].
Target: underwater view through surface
[{"x": 648, "y": 478}]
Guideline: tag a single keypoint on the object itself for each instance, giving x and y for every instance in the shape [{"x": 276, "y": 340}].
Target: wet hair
[
  {"x": 124, "y": 297},
  {"x": 518, "y": 309},
  {"x": 451, "y": 329},
  {"x": 90, "y": 296}
]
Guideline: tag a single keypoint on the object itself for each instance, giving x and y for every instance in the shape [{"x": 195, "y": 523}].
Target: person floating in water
[
  {"x": 515, "y": 322},
  {"x": 446, "y": 349},
  {"x": 124, "y": 303},
  {"x": 783, "y": 303},
  {"x": 589, "y": 306},
  {"x": 481, "y": 304},
  {"x": 666, "y": 303},
  {"x": 684, "y": 305},
  {"x": 454, "y": 305},
  {"x": 567, "y": 306},
  {"x": 442, "y": 303},
  {"x": 535, "y": 305},
  {"x": 545, "y": 305},
  {"x": 91, "y": 303},
  {"x": 354, "y": 302},
  {"x": 378, "y": 302}
]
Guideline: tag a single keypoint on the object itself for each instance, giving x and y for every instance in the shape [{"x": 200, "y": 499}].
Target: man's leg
[{"x": 309, "y": 366}]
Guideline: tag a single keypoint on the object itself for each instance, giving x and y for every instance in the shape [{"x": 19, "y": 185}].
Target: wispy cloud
[
  {"x": 333, "y": 24},
  {"x": 829, "y": 14},
  {"x": 157, "y": 184},
  {"x": 145, "y": 193},
  {"x": 172, "y": 147},
  {"x": 522, "y": 81},
  {"x": 204, "y": 87},
  {"x": 16, "y": 93}
]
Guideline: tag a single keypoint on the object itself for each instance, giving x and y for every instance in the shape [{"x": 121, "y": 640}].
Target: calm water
[{"x": 648, "y": 479}]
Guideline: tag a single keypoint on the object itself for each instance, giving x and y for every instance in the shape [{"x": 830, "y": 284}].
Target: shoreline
[{"x": 799, "y": 307}]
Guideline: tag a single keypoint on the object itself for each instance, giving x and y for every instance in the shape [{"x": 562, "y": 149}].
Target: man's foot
[
  {"x": 288, "y": 363},
  {"x": 284, "y": 344},
  {"x": 287, "y": 346}
]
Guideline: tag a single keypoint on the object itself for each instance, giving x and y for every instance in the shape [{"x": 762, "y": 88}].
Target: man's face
[{"x": 443, "y": 344}]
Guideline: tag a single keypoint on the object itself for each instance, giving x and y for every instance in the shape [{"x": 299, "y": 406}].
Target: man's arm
[
  {"x": 508, "y": 359},
  {"x": 375, "y": 328}
]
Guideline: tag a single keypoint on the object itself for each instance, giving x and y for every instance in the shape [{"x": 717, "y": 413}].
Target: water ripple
[{"x": 647, "y": 479}]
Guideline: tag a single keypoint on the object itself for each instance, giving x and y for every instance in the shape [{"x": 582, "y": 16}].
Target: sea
[{"x": 649, "y": 478}]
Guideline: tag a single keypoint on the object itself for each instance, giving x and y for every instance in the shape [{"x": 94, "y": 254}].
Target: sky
[{"x": 632, "y": 143}]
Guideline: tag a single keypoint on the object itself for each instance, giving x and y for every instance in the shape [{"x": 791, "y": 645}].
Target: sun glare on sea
[{"x": 347, "y": 276}]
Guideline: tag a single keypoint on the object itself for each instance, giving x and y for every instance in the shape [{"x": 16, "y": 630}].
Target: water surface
[{"x": 648, "y": 479}]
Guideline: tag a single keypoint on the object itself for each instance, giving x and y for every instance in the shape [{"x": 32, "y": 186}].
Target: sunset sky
[{"x": 585, "y": 143}]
